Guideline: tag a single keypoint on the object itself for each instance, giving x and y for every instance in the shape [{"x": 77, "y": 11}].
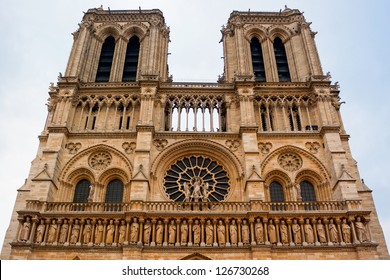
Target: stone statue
[
  {"x": 205, "y": 192},
  {"x": 333, "y": 233},
  {"x": 196, "y": 230},
  {"x": 283, "y": 233},
  {"x": 184, "y": 232},
  {"x": 172, "y": 233},
  {"x": 346, "y": 230},
  {"x": 40, "y": 232},
  {"x": 196, "y": 194},
  {"x": 91, "y": 192},
  {"x": 271, "y": 232},
  {"x": 147, "y": 231},
  {"x": 209, "y": 233},
  {"x": 259, "y": 231},
  {"x": 74, "y": 236},
  {"x": 159, "y": 233},
  {"x": 221, "y": 233},
  {"x": 52, "y": 232},
  {"x": 321, "y": 232},
  {"x": 134, "y": 230},
  {"x": 187, "y": 192},
  {"x": 308, "y": 229},
  {"x": 296, "y": 229},
  {"x": 64, "y": 232},
  {"x": 99, "y": 233},
  {"x": 87, "y": 232},
  {"x": 110, "y": 232},
  {"x": 25, "y": 232},
  {"x": 122, "y": 232},
  {"x": 233, "y": 232},
  {"x": 361, "y": 230},
  {"x": 245, "y": 232}
]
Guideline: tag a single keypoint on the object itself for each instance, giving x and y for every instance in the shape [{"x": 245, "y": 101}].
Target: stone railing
[{"x": 169, "y": 206}]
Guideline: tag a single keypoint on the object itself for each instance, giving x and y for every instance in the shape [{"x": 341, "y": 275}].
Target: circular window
[{"x": 196, "y": 179}]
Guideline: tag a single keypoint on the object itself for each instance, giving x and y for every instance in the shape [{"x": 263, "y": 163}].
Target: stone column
[
  {"x": 251, "y": 225},
  {"x": 166, "y": 221},
  {"x": 153, "y": 243},
  {"x": 202, "y": 241},
  {"x": 290, "y": 235},
  {"x": 227, "y": 243},
  {"x": 277, "y": 233},
  {"x": 190, "y": 232},
  {"x": 265, "y": 226},
  {"x": 33, "y": 229},
  {"x": 239, "y": 241},
  {"x": 177, "y": 232}
]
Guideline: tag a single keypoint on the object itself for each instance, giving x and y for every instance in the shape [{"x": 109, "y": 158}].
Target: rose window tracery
[
  {"x": 196, "y": 179},
  {"x": 100, "y": 160},
  {"x": 290, "y": 161}
]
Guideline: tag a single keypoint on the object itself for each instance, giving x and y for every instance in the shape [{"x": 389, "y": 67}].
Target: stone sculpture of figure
[
  {"x": 283, "y": 233},
  {"x": 209, "y": 233},
  {"x": 361, "y": 230},
  {"x": 91, "y": 192},
  {"x": 346, "y": 230},
  {"x": 25, "y": 232},
  {"x": 296, "y": 229},
  {"x": 52, "y": 232},
  {"x": 196, "y": 230},
  {"x": 134, "y": 231},
  {"x": 205, "y": 192},
  {"x": 99, "y": 233},
  {"x": 40, "y": 232},
  {"x": 333, "y": 233},
  {"x": 308, "y": 229},
  {"x": 184, "y": 232},
  {"x": 233, "y": 232},
  {"x": 259, "y": 231},
  {"x": 172, "y": 233},
  {"x": 159, "y": 232},
  {"x": 63, "y": 232},
  {"x": 245, "y": 232},
  {"x": 187, "y": 192},
  {"x": 87, "y": 232},
  {"x": 122, "y": 232},
  {"x": 299, "y": 195},
  {"x": 196, "y": 194},
  {"x": 147, "y": 231},
  {"x": 221, "y": 233},
  {"x": 110, "y": 232},
  {"x": 74, "y": 236},
  {"x": 271, "y": 232},
  {"x": 321, "y": 232}
]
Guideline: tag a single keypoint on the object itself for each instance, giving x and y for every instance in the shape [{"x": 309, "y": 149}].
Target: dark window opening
[
  {"x": 128, "y": 123},
  {"x": 308, "y": 195},
  {"x": 93, "y": 123},
  {"x": 114, "y": 195},
  {"x": 105, "y": 61},
  {"x": 257, "y": 60},
  {"x": 131, "y": 60},
  {"x": 277, "y": 195},
  {"x": 86, "y": 123},
  {"x": 82, "y": 191},
  {"x": 120, "y": 122},
  {"x": 281, "y": 61}
]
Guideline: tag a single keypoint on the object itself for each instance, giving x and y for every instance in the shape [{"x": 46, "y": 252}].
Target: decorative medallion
[
  {"x": 265, "y": 147},
  {"x": 160, "y": 144},
  {"x": 233, "y": 144},
  {"x": 313, "y": 147},
  {"x": 73, "y": 147},
  {"x": 290, "y": 161},
  {"x": 100, "y": 160},
  {"x": 196, "y": 179},
  {"x": 129, "y": 147}
]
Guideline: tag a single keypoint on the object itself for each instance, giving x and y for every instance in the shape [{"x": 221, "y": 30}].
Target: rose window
[
  {"x": 290, "y": 162},
  {"x": 100, "y": 160},
  {"x": 196, "y": 179}
]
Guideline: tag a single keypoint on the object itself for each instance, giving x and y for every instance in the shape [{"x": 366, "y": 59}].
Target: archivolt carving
[
  {"x": 117, "y": 157},
  {"x": 277, "y": 175},
  {"x": 79, "y": 174},
  {"x": 280, "y": 31},
  {"x": 108, "y": 29},
  {"x": 113, "y": 173},
  {"x": 266, "y": 164},
  {"x": 255, "y": 31}
]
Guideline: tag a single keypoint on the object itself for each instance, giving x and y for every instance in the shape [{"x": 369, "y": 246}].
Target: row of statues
[{"x": 194, "y": 232}]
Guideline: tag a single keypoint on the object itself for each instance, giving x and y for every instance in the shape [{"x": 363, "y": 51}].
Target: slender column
[
  {"x": 220, "y": 118},
  {"x": 116, "y": 222},
  {"x": 215, "y": 232},
  {"x": 106, "y": 116},
  {"x": 265, "y": 226},
  {"x": 166, "y": 221},
  {"x": 179, "y": 118},
  {"x": 239, "y": 230},
  {"x": 352, "y": 225},
  {"x": 132, "y": 116},
  {"x": 89, "y": 116},
  {"x": 190, "y": 232},
  {"x": 92, "y": 241},
  {"x": 81, "y": 115},
  {"x": 47, "y": 222},
  {"x": 277, "y": 232},
  {"x": 114, "y": 120},
  {"x": 290, "y": 235},
  {"x": 33, "y": 229},
  {"x": 268, "y": 118},
  {"x": 202, "y": 241},
  {"x": 211, "y": 118},
  {"x": 308, "y": 116},
  {"x": 203, "y": 128},
  {"x": 187, "y": 112},
  {"x": 178, "y": 231},
  {"x": 59, "y": 222},
  {"x": 195, "y": 118},
  {"x": 260, "y": 118},
  {"x": 126, "y": 241},
  {"x": 284, "y": 117},
  {"x": 339, "y": 232},
  {"x": 301, "y": 224},
  {"x": 227, "y": 243},
  {"x": 293, "y": 118},
  {"x": 141, "y": 231},
  {"x": 123, "y": 116},
  {"x": 153, "y": 243},
  {"x": 252, "y": 229},
  {"x": 316, "y": 239},
  {"x": 300, "y": 117}
]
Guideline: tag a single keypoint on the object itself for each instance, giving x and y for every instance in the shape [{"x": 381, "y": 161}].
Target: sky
[{"x": 353, "y": 42}]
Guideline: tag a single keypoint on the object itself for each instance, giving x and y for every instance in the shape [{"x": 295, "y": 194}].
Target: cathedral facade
[{"x": 132, "y": 165}]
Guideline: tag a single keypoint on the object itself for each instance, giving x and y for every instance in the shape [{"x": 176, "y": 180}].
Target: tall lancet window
[
  {"x": 105, "y": 61},
  {"x": 281, "y": 61},
  {"x": 131, "y": 60},
  {"x": 257, "y": 60}
]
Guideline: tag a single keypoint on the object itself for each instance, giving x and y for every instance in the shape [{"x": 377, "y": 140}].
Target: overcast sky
[{"x": 353, "y": 44}]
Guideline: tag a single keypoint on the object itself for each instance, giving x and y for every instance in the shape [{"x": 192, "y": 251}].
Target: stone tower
[{"x": 132, "y": 165}]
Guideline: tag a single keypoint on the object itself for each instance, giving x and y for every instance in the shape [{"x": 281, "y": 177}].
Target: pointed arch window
[
  {"x": 82, "y": 191},
  {"x": 114, "y": 194},
  {"x": 276, "y": 192},
  {"x": 105, "y": 61},
  {"x": 307, "y": 191},
  {"x": 131, "y": 60},
  {"x": 281, "y": 61},
  {"x": 257, "y": 60}
]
